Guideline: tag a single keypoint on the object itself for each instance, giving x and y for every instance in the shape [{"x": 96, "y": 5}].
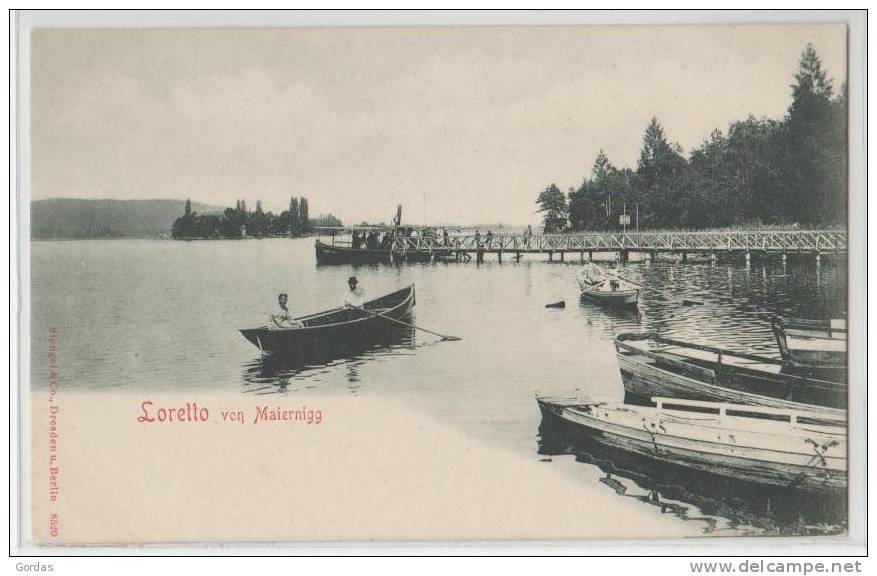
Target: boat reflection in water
[
  {"x": 291, "y": 372},
  {"x": 328, "y": 338},
  {"x": 723, "y": 503}
]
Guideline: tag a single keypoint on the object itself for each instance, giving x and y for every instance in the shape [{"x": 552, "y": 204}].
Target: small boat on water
[
  {"x": 792, "y": 449},
  {"x": 811, "y": 343},
  {"x": 654, "y": 366},
  {"x": 336, "y": 328},
  {"x": 597, "y": 286}
]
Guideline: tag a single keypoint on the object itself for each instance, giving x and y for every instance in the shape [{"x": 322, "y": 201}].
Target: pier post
[
  {"x": 550, "y": 256},
  {"x": 479, "y": 256},
  {"x": 748, "y": 259},
  {"x": 684, "y": 256},
  {"x": 499, "y": 257},
  {"x": 590, "y": 254},
  {"x": 562, "y": 254},
  {"x": 818, "y": 258},
  {"x": 652, "y": 255},
  {"x": 581, "y": 256}
]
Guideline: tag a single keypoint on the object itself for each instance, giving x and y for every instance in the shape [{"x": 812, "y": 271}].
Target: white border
[{"x": 857, "y": 22}]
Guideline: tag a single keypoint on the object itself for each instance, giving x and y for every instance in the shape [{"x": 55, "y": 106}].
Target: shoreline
[{"x": 372, "y": 469}]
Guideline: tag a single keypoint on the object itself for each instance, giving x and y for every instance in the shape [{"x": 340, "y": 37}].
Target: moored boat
[
  {"x": 596, "y": 286},
  {"x": 331, "y": 254},
  {"x": 336, "y": 328},
  {"x": 336, "y": 254},
  {"x": 794, "y": 449},
  {"x": 811, "y": 343},
  {"x": 654, "y": 366}
]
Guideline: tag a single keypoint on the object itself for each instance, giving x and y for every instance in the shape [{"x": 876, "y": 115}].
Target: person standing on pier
[
  {"x": 489, "y": 238},
  {"x": 478, "y": 239}
]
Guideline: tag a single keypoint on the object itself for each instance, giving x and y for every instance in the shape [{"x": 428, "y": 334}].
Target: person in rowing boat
[
  {"x": 281, "y": 317},
  {"x": 355, "y": 297}
]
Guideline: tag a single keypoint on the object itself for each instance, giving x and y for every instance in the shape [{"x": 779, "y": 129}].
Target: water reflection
[
  {"x": 738, "y": 302},
  {"x": 483, "y": 385},
  {"x": 610, "y": 320},
  {"x": 291, "y": 373},
  {"x": 724, "y": 503}
]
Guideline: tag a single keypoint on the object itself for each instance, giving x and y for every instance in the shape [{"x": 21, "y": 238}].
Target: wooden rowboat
[
  {"x": 793, "y": 449},
  {"x": 655, "y": 366},
  {"x": 595, "y": 286},
  {"x": 605, "y": 294},
  {"x": 336, "y": 328},
  {"x": 811, "y": 343}
]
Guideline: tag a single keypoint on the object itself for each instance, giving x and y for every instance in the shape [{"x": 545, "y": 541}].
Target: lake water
[{"x": 159, "y": 315}]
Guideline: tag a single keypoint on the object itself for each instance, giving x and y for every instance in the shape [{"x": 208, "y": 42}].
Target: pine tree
[
  {"x": 552, "y": 203},
  {"x": 815, "y": 190},
  {"x": 660, "y": 168}
]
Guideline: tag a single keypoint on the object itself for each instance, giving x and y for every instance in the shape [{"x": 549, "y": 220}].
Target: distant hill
[{"x": 75, "y": 218}]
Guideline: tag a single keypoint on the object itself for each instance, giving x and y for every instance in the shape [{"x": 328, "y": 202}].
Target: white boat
[
  {"x": 596, "y": 286},
  {"x": 793, "y": 449},
  {"x": 811, "y": 343}
]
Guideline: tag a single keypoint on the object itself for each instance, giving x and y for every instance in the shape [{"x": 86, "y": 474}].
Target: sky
[{"x": 459, "y": 125}]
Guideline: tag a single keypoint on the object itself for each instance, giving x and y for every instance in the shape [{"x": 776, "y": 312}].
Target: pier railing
[{"x": 779, "y": 241}]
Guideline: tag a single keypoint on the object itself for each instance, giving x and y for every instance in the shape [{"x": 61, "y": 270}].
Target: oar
[
  {"x": 685, "y": 301},
  {"x": 442, "y": 336}
]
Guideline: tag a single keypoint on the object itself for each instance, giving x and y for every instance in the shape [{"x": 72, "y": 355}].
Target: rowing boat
[
  {"x": 654, "y": 366},
  {"x": 811, "y": 343},
  {"x": 336, "y": 328},
  {"x": 595, "y": 286},
  {"x": 802, "y": 450}
]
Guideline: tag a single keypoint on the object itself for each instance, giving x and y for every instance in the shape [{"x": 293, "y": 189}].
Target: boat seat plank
[{"x": 688, "y": 369}]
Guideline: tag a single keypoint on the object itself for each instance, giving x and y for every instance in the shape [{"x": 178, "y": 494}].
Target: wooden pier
[{"x": 465, "y": 244}]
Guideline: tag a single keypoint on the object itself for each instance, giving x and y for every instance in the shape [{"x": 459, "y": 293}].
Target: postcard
[{"x": 371, "y": 284}]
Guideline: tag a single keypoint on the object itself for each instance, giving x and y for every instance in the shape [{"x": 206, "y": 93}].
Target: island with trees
[{"x": 239, "y": 222}]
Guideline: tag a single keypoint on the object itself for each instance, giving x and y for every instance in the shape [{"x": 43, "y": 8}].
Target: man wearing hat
[{"x": 356, "y": 295}]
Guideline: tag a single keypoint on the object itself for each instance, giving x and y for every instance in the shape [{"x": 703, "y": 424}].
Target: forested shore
[{"x": 790, "y": 171}]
